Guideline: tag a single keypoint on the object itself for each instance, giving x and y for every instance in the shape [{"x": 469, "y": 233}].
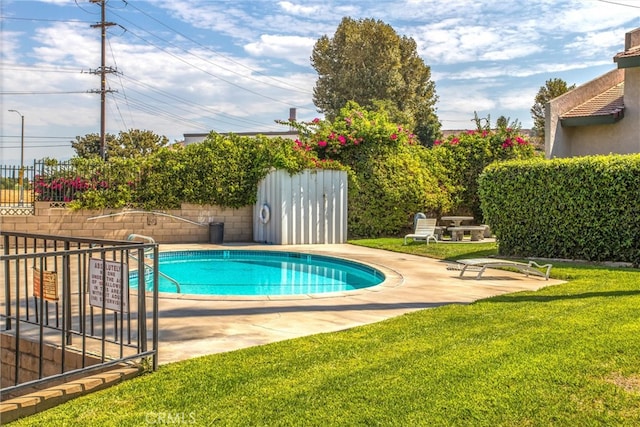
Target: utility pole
[
  {"x": 103, "y": 71},
  {"x": 21, "y": 173}
]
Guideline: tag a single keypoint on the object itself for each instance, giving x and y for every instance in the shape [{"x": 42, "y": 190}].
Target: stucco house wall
[{"x": 621, "y": 137}]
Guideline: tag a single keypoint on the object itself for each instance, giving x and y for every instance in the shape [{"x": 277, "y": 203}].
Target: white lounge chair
[
  {"x": 425, "y": 230},
  {"x": 481, "y": 264}
]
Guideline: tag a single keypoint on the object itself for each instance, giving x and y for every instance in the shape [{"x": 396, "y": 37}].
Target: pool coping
[{"x": 192, "y": 327}]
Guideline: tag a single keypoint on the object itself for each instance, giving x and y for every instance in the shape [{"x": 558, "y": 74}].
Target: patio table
[{"x": 456, "y": 220}]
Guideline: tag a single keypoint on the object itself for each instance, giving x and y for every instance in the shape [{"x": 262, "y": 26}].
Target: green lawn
[{"x": 566, "y": 355}]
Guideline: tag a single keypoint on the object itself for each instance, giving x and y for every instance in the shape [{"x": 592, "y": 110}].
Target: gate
[
  {"x": 17, "y": 190},
  {"x": 72, "y": 295}
]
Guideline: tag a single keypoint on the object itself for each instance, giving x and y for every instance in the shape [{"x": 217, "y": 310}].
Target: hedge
[{"x": 585, "y": 208}]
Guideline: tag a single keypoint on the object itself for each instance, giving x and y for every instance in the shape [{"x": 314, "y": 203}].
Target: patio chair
[
  {"x": 481, "y": 264},
  {"x": 425, "y": 230}
]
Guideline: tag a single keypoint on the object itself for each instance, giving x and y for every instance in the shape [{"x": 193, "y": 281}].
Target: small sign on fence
[
  {"x": 115, "y": 283},
  {"x": 49, "y": 284}
]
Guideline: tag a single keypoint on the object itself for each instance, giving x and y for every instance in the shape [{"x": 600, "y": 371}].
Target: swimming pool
[{"x": 253, "y": 273}]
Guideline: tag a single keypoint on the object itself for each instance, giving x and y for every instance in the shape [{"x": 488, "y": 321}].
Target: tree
[
  {"x": 89, "y": 145},
  {"x": 552, "y": 89},
  {"x": 132, "y": 143},
  {"x": 137, "y": 142},
  {"x": 368, "y": 63}
]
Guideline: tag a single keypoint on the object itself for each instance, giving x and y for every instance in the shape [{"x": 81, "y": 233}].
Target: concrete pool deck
[{"x": 196, "y": 326}]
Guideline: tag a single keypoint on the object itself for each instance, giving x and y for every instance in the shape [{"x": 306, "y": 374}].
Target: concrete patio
[{"x": 192, "y": 326}]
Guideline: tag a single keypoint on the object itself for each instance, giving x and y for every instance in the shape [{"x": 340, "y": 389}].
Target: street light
[{"x": 21, "y": 175}]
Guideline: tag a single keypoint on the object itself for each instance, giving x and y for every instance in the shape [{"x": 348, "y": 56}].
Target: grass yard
[{"x": 566, "y": 355}]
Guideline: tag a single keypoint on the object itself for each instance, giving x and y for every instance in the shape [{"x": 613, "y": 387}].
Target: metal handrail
[{"x": 160, "y": 273}]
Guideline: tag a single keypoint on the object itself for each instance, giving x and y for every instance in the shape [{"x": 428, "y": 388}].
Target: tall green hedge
[{"x": 585, "y": 208}]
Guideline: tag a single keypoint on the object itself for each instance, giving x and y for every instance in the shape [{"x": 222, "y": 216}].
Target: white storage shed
[{"x": 307, "y": 208}]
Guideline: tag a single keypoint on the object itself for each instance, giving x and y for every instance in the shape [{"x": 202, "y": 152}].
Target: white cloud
[
  {"x": 580, "y": 16},
  {"x": 517, "y": 100},
  {"x": 597, "y": 44},
  {"x": 68, "y": 43},
  {"x": 297, "y": 9},
  {"x": 292, "y": 48}
]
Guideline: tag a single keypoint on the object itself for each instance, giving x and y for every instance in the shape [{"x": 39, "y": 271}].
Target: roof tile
[{"x": 607, "y": 103}]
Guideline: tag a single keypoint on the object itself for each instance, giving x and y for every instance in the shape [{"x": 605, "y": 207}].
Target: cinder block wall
[
  {"x": 190, "y": 224},
  {"x": 30, "y": 360}
]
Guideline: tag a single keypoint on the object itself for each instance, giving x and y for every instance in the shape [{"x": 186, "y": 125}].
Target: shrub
[
  {"x": 578, "y": 208},
  {"x": 222, "y": 170},
  {"x": 392, "y": 177},
  {"x": 87, "y": 182},
  {"x": 226, "y": 170},
  {"x": 464, "y": 157}
]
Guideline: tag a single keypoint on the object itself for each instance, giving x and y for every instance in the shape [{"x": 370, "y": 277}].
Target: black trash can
[{"x": 216, "y": 232}]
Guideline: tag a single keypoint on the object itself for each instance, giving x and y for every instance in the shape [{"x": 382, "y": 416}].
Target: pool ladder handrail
[
  {"x": 132, "y": 237},
  {"x": 160, "y": 273}
]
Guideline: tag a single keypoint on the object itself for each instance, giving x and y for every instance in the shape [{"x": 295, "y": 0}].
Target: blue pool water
[{"x": 230, "y": 272}]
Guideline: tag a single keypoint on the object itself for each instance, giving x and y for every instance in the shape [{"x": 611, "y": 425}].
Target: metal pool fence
[{"x": 72, "y": 294}]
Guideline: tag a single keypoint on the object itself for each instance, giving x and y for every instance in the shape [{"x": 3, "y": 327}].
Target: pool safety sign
[
  {"x": 49, "y": 284},
  {"x": 115, "y": 284}
]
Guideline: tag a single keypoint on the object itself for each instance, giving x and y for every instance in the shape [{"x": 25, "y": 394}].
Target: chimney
[
  {"x": 292, "y": 114},
  {"x": 632, "y": 39}
]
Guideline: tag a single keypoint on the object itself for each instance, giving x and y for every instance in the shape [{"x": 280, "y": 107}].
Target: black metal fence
[
  {"x": 16, "y": 189},
  {"x": 64, "y": 181},
  {"x": 49, "y": 181},
  {"x": 73, "y": 294}
]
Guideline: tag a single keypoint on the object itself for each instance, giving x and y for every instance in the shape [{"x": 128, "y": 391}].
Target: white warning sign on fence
[{"x": 115, "y": 284}]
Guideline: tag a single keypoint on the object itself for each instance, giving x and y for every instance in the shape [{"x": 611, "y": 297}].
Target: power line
[
  {"x": 37, "y": 136},
  {"x": 66, "y": 21},
  {"x": 31, "y": 145},
  {"x": 208, "y": 72},
  {"x": 40, "y": 92},
  {"x": 301, "y": 90},
  {"x": 636, "y": 6},
  {"x": 14, "y": 67},
  {"x": 189, "y": 102}
]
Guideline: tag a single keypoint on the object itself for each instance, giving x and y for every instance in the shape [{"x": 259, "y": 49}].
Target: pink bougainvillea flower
[
  {"x": 471, "y": 132},
  {"x": 507, "y": 143},
  {"x": 342, "y": 140},
  {"x": 348, "y": 120},
  {"x": 521, "y": 141},
  {"x": 315, "y": 121},
  {"x": 454, "y": 141},
  {"x": 322, "y": 143},
  {"x": 298, "y": 142},
  {"x": 332, "y": 135},
  {"x": 394, "y": 136},
  {"x": 484, "y": 133},
  {"x": 437, "y": 142}
]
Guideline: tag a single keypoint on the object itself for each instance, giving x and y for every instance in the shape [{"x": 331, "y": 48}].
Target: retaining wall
[
  {"x": 30, "y": 360},
  {"x": 190, "y": 224}
]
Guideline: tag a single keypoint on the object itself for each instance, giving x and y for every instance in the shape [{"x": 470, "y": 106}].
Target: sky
[{"x": 195, "y": 66}]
